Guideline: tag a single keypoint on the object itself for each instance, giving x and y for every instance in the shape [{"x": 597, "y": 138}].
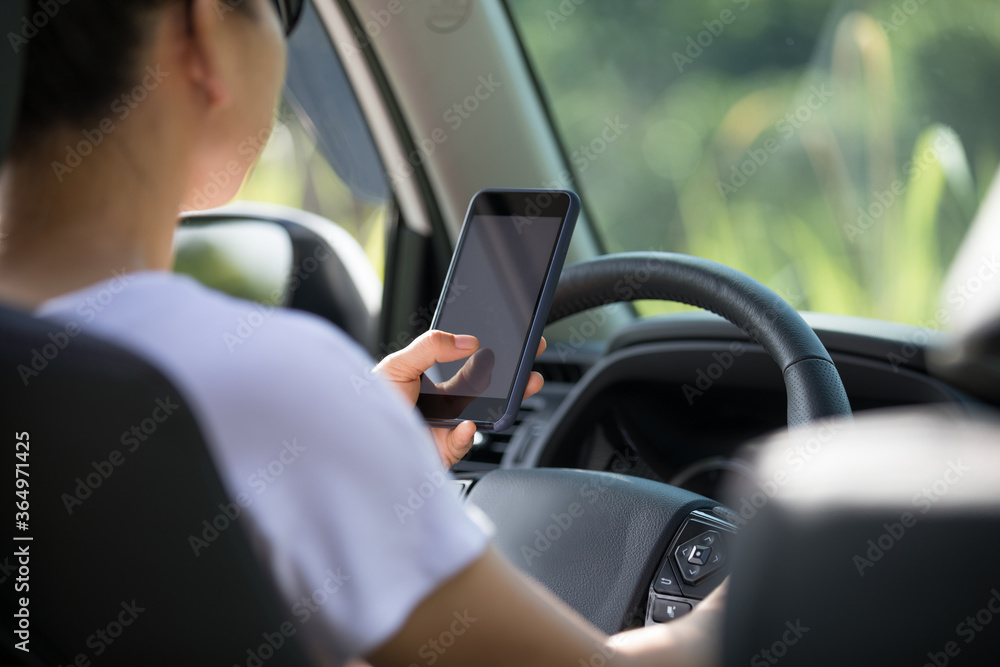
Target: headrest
[
  {"x": 870, "y": 543},
  {"x": 16, "y": 28}
]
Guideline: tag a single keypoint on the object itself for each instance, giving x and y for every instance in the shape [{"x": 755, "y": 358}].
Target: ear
[{"x": 205, "y": 41}]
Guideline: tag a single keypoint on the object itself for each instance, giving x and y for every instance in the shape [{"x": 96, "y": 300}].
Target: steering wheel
[{"x": 604, "y": 542}]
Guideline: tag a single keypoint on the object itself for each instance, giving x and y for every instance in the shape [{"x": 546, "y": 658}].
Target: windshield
[{"x": 836, "y": 151}]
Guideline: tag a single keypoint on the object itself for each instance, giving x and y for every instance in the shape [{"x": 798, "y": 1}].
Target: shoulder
[
  {"x": 165, "y": 313},
  {"x": 221, "y": 350}
]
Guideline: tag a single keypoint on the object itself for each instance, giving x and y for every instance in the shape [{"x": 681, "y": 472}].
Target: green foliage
[
  {"x": 210, "y": 265},
  {"x": 835, "y": 151}
]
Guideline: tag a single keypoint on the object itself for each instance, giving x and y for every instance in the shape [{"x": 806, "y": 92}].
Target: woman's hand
[
  {"x": 405, "y": 367},
  {"x": 693, "y": 641}
]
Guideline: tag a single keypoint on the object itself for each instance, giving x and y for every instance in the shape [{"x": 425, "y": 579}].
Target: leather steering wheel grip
[{"x": 812, "y": 382}]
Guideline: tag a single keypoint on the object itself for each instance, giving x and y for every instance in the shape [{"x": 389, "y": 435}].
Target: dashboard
[{"x": 677, "y": 398}]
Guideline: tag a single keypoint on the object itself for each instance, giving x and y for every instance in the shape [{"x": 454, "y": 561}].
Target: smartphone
[{"x": 499, "y": 289}]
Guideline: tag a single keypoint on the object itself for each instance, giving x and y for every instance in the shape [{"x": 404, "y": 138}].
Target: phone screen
[{"x": 493, "y": 292}]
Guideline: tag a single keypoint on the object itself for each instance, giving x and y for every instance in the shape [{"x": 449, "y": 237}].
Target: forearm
[
  {"x": 518, "y": 622},
  {"x": 688, "y": 642},
  {"x": 675, "y": 643},
  {"x": 692, "y": 641}
]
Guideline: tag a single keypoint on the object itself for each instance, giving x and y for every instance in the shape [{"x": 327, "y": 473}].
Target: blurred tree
[{"x": 792, "y": 139}]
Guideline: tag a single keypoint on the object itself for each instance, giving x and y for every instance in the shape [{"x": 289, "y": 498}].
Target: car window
[
  {"x": 320, "y": 156},
  {"x": 836, "y": 151}
]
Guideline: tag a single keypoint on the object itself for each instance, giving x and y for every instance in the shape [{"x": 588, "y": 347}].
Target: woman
[{"x": 129, "y": 107}]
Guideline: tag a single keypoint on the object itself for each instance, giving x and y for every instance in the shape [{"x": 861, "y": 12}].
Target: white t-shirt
[{"x": 338, "y": 477}]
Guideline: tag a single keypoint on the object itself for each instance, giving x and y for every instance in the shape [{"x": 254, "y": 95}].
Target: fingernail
[{"x": 465, "y": 342}]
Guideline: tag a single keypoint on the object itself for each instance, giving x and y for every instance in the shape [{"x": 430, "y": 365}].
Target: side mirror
[{"x": 281, "y": 256}]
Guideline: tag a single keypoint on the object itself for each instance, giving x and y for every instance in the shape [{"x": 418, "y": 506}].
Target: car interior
[{"x": 826, "y": 440}]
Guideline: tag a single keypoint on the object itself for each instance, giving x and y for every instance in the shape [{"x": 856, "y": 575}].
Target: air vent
[
  {"x": 490, "y": 451},
  {"x": 559, "y": 372}
]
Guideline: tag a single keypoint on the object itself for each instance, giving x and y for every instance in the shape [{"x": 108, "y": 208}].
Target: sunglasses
[{"x": 289, "y": 11}]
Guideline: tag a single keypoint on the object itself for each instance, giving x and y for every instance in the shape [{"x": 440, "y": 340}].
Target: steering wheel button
[
  {"x": 666, "y": 583},
  {"x": 668, "y": 610},
  {"x": 709, "y": 539},
  {"x": 699, "y": 555}
]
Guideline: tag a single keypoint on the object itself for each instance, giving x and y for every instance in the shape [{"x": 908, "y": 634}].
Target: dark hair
[{"x": 81, "y": 55}]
